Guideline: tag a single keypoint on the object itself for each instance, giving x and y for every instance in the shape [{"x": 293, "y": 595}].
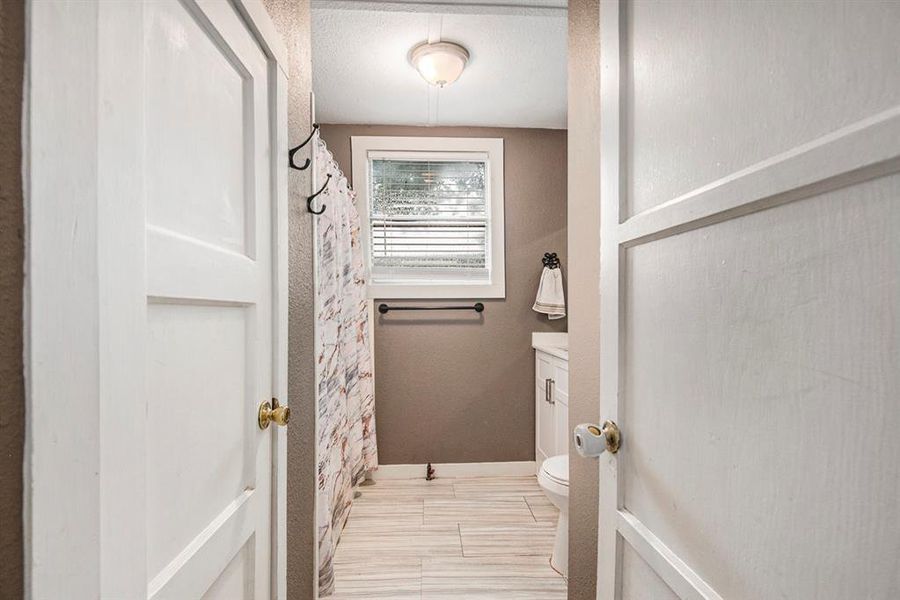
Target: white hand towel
[{"x": 551, "y": 300}]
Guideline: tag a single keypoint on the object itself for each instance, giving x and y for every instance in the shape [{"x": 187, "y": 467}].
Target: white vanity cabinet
[{"x": 551, "y": 412}]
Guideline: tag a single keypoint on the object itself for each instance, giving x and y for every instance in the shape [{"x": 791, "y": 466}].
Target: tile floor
[{"x": 478, "y": 539}]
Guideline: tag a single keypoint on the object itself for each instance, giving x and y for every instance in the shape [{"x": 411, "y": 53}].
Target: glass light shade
[{"x": 439, "y": 63}]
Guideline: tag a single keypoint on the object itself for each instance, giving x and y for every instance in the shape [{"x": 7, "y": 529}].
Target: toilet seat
[{"x": 556, "y": 468}]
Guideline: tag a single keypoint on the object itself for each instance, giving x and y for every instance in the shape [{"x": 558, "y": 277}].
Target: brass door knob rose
[{"x": 272, "y": 412}]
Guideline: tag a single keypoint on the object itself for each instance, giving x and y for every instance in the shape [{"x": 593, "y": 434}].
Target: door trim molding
[
  {"x": 611, "y": 495},
  {"x": 864, "y": 150},
  {"x": 260, "y": 24},
  {"x": 171, "y": 581},
  {"x": 683, "y": 580}
]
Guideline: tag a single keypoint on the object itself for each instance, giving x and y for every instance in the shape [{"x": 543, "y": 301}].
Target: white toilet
[{"x": 554, "y": 480}]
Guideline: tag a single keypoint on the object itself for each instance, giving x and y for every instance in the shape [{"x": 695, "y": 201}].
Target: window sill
[{"x": 437, "y": 291}]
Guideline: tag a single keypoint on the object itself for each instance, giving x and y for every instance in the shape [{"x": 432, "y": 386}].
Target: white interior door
[
  {"x": 157, "y": 300},
  {"x": 750, "y": 289}
]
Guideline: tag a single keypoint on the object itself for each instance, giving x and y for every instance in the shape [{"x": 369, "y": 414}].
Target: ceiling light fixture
[{"x": 439, "y": 63}]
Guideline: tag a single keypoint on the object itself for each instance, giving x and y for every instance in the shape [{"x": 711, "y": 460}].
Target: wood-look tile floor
[{"x": 479, "y": 539}]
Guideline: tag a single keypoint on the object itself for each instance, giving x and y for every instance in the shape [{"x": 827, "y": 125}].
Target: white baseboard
[{"x": 444, "y": 470}]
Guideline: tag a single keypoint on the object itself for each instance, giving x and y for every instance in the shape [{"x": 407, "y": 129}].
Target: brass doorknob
[
  {"x": 613, "y": 436},
  {"x": 272, "y": 412}
]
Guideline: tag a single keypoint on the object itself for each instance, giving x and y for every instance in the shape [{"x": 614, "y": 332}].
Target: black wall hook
[
  {"x": 550, "y": 260},
  {"x": 313, "y": 197},
  {"x": 294, "y": 150}
]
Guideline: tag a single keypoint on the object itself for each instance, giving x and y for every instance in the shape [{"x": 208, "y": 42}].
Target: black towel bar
[{"x": 384, "y": 308}]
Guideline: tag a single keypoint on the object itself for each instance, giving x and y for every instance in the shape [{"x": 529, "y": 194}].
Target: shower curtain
[{"x": 346, "y": 403}]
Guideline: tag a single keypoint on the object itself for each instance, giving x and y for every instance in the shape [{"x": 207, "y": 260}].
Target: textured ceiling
[{"x": 516, "y": 76}]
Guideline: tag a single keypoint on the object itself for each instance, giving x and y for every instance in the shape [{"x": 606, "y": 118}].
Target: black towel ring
[
  {"x": 550, "y": 260},
  {"x": 313, "y": 197},
  {"x": 294, "y": 150}
]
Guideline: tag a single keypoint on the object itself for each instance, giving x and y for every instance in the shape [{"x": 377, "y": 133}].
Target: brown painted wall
[
  {"x": 584, "y": 299},
  {"x": 455, "y": 387},
  {"x": 12, "y": 387},
  {"x": 292, "y": 20}
]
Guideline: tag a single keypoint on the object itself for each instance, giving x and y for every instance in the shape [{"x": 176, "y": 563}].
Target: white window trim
[{"x": 365, "y": 147}]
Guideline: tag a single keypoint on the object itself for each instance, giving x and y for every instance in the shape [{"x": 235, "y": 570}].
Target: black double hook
[
  {"x": 293, "y": 151},
  {"x": 310, "y": 199}
]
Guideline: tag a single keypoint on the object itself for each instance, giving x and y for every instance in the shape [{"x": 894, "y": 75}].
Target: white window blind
[
  {"x": 429, "y": 219},
  {"x": 434, "y": 215}
]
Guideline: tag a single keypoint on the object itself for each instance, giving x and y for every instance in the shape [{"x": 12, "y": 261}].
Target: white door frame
[
  {"x": 858, "y": 152},
  {"x": 68, "y": 408},
  {"x": 314, "y": 230}
]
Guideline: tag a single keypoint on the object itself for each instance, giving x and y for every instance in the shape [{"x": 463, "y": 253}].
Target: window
[{"x": 432, "y": 215}]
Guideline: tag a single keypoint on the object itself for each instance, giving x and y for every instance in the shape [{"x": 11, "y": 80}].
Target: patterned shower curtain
[{"x": 346, "y": 403}]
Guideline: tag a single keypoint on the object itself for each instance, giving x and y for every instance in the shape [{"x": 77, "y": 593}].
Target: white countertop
[{"x": 554, "y": 344}]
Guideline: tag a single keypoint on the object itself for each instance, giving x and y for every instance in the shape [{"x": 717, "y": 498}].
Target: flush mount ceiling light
[{"x": 439, "y": 63}]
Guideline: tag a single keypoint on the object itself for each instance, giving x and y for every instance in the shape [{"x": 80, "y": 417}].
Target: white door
[
  {"x": 157, "y": 299},
  {"x": 750, "y": 285}
]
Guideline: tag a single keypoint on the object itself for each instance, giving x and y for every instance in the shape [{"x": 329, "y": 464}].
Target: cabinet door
[
  {"x": 544, "y": 414},
  {"x": 561, "y": 420},
  {"x": 560, "y": 390},
  {"x": 545, "y": 426}
]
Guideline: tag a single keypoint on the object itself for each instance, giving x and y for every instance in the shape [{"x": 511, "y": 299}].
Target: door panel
[
  {"x": 749, "y": 333},
  {"x": 158, "y": 259},
  {"x": 675, "y": 124},
  {"x": 561, "y": 408},
  {"x": 639, "y": 581},
  {"x": 209, "y": 317},
  {"x": 561, "y": 379},
  {"x": 545, "y": 414},
  {"x": 804, "y": 355},
  {"x": 200, "y": 384},
  {"x": 236, "y": 580},
  {"x": 561, "y": 418},
  {"x": 545, "y": 423},
  {"x": 202, "y": 90},
  {"x": 545, "y": 369}
]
